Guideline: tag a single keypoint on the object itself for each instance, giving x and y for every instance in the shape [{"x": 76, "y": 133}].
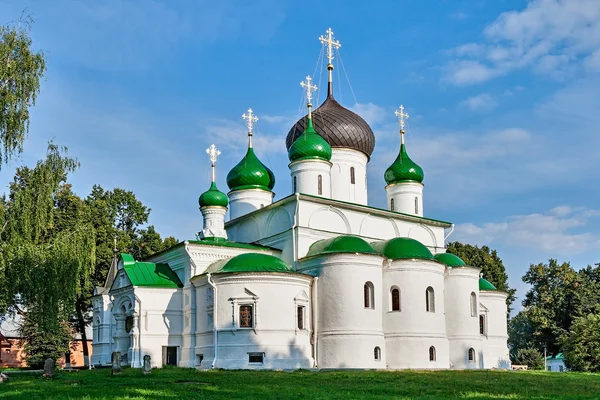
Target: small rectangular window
[
  {"x": 256, "y": 358},
  {"x": 246, "y": 317},
  {"x": 352, "y": 177},
  {"x": 199, "y": 358},
  {"x": 482, "y": 325},
  {"x": 561, "y": 368},
  {"x": 549, "y": 368},
  {"x": 300, "y": 312},
  {"x": 320, "y": 185}
]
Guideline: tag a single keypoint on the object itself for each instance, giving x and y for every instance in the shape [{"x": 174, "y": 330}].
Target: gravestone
[
  {"x": 3, "y": 377},
  {"x": 49, "y": 367},
  {"x": 116, "y": 363},
  {"x": 147, "y": 364}
]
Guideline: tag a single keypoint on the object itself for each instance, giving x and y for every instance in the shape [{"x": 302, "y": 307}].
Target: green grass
[{"x": 177, "y": 384}]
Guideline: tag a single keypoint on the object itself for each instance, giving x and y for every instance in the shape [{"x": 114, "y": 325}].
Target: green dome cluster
[
  {"x": 213, "y": 197},
  {"x": 310, "y": 146},
  {"x": 403, "y": 169},
  {"x": 450, "y": 260},
  {"x": 340, "y": 244},
  {"x": 402, "y": 248},
  {"x": 486, "y": 285},
  {"x": 250, "y": 173},
  {"x": 250, "y": 262}
]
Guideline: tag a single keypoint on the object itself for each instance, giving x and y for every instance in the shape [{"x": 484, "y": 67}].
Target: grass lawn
[{"x": 176, "y": 383}]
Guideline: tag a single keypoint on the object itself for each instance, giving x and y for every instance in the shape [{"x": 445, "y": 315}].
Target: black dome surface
[{"x": 339, "y": 126}]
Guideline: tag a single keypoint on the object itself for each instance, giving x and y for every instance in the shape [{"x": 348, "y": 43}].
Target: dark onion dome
[
  {"x": 339, "y": 126},
  {"x": 213, "y": 197},
  {"x": 249, "y": 262},
  {"x": 310, "y": 146},
  {"x": 486, "y": 285},
  {"x": 403, "y": 169},
  {"x": 402, "y": 248},
  {"x": 340, "y": 244},
  {"x": 450, "y": 260},
  {"x": 250, "y": 173}
]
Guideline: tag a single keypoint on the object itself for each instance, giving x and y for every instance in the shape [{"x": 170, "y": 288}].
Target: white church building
[{"x": 317, "y": 279}]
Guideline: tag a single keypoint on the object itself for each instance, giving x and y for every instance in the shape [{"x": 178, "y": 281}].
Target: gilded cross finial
[
  {"x": 331, "y": 44},
  {"x": 402, "y": 117},
  {"x": 213, "y": 154},
  {"x": 308, "y": 88},
  {"x": 250, "y": 120}
]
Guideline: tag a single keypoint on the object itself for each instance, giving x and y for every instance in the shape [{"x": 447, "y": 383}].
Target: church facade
[{"x": 317, "y": 279}]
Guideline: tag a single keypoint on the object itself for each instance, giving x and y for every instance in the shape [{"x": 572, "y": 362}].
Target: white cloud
[
  {"x": 480, "y": 102},
  {"x": 563, "y": 231},
  {"x": 371, "y": 113},
  {"x": 551, "y": 36}
]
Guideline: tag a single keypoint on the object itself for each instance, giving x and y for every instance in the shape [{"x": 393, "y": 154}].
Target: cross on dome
[
  {"x": 213, "y": 153},
  {"x": 402, "y": 116},
  {"x": 308, "y": 88},
  {"x": 250, "y": 120},
  {"x": 331, "y": 44}
]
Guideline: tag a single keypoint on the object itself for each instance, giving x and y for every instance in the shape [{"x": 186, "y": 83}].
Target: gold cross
[
  {"x": 250, "y": 119},
  {"x": 402, "y": 116},
  {"x": 331, "y": 44},
  {"x": 309, "y": 88}
]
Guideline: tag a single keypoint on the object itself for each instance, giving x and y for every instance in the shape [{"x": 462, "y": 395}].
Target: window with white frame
[
  {"x": 301, "y": 317},
  {"x": 430, "y": 300},
  {"x": 473, "y": 304},
  {"x": 432, "y": 353},
  {"x": 246, "y": 316},
  {"x": 377, "y": 353},
  {"x": 471, "y": 355},
  {"x": 395, "y": 298},
  {"x": 369, "y": 295}
]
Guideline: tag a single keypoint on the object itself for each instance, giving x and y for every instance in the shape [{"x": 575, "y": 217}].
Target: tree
[
  {"x": 552, "y": 301},
  {"x": 530, "y": 357},
  {"x": 47, "y": 251},
  {"x": 520, "y": 334},
  {"x": 581, "y": 344},
  {"x": 21, "y": 70},
  {"x": 149, "y": 242},
  {"x": 490, "y": 264}
]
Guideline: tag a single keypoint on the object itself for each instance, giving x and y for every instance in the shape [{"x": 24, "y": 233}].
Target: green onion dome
[
  {"x": 450, "y": 260},
  {"x": 402, "y": 248},
  {"x": 213, "y": 197},
  {"x": 340, "y": 244},
  {"x": 310, "y": 146},
  {"x": 486, "y": 285},
  {"x": 250, "y": 262},
  {"x": 250, "y": 173},
  {"x": 403, "y": 169}
]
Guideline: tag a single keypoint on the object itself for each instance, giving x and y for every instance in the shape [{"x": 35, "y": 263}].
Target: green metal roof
[
  {"x": 213, "y": 197},
  {"x": 149, "y": 274},
  {"x": 250, "y": 173},
  {"x": 402, "y": 248},
  {"x": 403, "y": 169},
  {"x": 310, "y": 146},
  {"x": 340, "y": 244},
  {"x": 486, "y": 285},
  {"x": 559, "y": 356},
  {"x": 450, "y": 260},
  {"x": 249, "y": 262}
]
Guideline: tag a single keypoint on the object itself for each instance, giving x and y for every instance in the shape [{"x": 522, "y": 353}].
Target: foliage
[
  {"x": 47, "y": 251},
  {"x": 530, "y": 357},
  {"x": 520, "y": 334},
  {"x": 44, "y": 338},
  {"x": 581, "y": 345},
  {"x": 187, "y": 383},
  {"x": 490, "y": 264},
  {"x": 21, "y": 70}
]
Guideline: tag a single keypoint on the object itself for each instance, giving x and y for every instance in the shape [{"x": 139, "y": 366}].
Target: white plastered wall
[
  {"x": 462, "y": 324},
  {"x": 495, "y": 344},
  {"x": 407, "y": 196},
  {"x": 411, "y": 331},
  {"x": 275, "y": 298},
  {"x": 242, "y": 202},
  {"x": 306, "y": 174},
  {"x": 347, "y": 332},
  {"x": 342, "y": 188}
]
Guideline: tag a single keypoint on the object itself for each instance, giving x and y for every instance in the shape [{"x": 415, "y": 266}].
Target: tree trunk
[{"x": 81, "y": 328}]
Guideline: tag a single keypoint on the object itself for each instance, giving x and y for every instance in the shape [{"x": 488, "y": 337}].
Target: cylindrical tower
[
  {"x": 404, "y": 179},
  {"x": 462, "y": 312},
  {"x": 250, "y": 181},
  {"x": 494, "y": 326},
  {"x": 309, "y": 157},
  {"x": 413, "y": 317},
  {"x": 213, "y": 204}
]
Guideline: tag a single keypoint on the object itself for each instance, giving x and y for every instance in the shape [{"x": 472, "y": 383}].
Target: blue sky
[{"x": 503, "y": 98}]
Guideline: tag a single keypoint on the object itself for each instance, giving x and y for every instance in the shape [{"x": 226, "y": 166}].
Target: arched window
[
  {"x": 473, "y": 304},
  {"x": 352, "y": 177},
  {"x": 98, "y": 331},
  {"x": 295, "y": 184},
  {"x": 320, "y": 185},
  {"x": 430, "y": 299},
  {"x": 392, "y": 204},
  {"x": 432, "y": 353},
  {"x": 377, "y": 354},
  {"x": 369, "y": 295},
  {"x": 482, "y": 324},
  {"x": 416, "y": 205},
  {"x": 395, "y": 299},
  {"x": 471, "y": 355}
]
